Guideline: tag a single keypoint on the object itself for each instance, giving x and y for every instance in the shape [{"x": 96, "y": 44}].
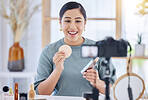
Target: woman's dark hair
[{"x": 72, "y": 5}]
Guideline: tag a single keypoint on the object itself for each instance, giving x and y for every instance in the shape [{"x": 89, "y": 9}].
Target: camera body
[{"x": 105, "y": 48}]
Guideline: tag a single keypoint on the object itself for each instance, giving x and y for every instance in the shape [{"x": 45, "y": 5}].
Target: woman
[{"x": 54, "y": 72}]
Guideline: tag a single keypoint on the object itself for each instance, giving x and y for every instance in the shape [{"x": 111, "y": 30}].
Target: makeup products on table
[
  {"x": 10, "y": 91},
  {"x": 23, "y": 96},
  {"x": 7, "y": 94},
  {"x": 31, "y": 92},
  {"x": 16, "y": 92},
  {"x": 5, "y": 88}
]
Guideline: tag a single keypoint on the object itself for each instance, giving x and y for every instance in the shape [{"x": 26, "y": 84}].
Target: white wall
[{"x": 4, "y": 44}]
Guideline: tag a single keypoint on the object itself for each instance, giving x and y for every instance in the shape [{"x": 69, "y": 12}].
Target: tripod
[{"x": 107, "y": 78}]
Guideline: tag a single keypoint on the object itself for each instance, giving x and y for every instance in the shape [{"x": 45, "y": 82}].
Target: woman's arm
[{"x": 47, "y": 86}]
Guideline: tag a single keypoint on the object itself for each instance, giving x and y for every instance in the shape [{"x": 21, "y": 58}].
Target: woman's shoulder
[
  {"x": 53, "y": 46},
  {"x": 89, "y": 41}
]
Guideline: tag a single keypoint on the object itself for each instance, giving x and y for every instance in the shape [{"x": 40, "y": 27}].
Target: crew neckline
[{"x": 75, "y": 47}]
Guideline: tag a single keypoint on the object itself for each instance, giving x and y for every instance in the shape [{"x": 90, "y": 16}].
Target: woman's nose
[{"x": 73, "y": 25}]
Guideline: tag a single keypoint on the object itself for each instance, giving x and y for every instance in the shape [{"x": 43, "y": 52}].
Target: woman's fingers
[
  {"x": 91, "y": 76},
  {"x": 59, "y": 59},
  {"x": 90, "y": 73},
  {"x": 58, "y": 56}
]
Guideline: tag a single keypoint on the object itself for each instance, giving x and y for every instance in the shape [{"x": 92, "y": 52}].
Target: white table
[
  {"x": 46, "y": 97},
  {"x": 62, "y": 97},
  {"x": 58, "y": 97},
  {"x": 101, "y": 97}
]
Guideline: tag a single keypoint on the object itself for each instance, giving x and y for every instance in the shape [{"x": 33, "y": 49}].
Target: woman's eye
[
  {"x": 78, "y": 21},
  {"x": 67, "y": 21}
]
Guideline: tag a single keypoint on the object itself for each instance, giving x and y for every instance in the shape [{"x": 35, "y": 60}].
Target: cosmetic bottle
[
  {"x": 31, "y": 92},
  {"x": 16, "y": 92},
  {"x": 10, "y": 91}
]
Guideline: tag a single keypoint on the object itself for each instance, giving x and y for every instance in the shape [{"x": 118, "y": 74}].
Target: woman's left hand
[{"x": 92, "y": 76}]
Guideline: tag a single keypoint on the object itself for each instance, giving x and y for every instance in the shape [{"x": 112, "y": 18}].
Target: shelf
[
  {"x": 17, "y": 74},
  {"x": 132, "y": 58}
]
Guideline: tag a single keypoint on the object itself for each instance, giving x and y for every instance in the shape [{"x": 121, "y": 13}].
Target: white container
[{"x": 139, "y": 50}]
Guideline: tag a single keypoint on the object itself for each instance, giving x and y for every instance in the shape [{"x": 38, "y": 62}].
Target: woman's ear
[
  {"x": 85, "y": 22},
  {"x": 60, "y": 23}
]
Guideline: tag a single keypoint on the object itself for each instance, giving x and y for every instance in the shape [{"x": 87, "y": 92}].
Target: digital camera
[{"x": 105, "y": 48}]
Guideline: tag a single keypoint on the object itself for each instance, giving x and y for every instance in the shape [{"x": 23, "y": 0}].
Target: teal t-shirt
[{"x": 71, "y": 81}]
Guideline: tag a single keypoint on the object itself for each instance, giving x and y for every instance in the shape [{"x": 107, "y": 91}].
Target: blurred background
[{"x": 127, "y": 19}]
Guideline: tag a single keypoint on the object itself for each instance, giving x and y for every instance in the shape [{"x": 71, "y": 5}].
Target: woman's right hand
[{"x": 58, "y": 60}]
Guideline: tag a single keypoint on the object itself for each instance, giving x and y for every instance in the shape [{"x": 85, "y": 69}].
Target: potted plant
[
  {"x": 139, "y": 47},
  {"x": 19, "y": 17}
]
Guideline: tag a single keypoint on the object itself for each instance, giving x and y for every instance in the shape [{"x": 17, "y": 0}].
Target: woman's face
[{"x": 73, "y": 24}]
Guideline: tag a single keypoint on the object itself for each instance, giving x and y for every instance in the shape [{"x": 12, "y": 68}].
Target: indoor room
[{"x": 73, "y": 49}]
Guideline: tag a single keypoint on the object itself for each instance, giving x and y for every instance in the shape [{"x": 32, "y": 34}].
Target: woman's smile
[{"x": 73, "y": 33}]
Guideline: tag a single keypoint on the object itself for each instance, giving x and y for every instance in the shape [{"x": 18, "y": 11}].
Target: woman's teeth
[{"x": 72, "y": 32}]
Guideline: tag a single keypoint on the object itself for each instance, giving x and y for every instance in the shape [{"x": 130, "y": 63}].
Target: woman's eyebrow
[
  {"x": 78, "y": 18},
  {"x": 67, "y": 17}
]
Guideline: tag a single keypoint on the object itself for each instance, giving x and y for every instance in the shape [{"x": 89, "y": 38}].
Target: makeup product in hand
[
  {"x": 91, "y": 64},
  {"x": 66, "y": 49},
  {"x": 16, "y": 92},
  {"x": 31, "y": 92}
]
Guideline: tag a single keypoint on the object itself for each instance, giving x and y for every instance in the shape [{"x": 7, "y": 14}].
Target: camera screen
[{"x": 89, "y": 51}]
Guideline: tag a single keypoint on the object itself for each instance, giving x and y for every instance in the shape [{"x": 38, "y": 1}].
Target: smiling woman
[{"x": 63, "y": 75}]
